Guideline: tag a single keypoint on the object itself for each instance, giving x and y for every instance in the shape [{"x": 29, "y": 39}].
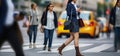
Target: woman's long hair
[
  {"x": 32, "y": 5},
  {"x": 47, "y": 8},
  {"x": 69, "y": 1},
  {"x": 116, "y": 3}
]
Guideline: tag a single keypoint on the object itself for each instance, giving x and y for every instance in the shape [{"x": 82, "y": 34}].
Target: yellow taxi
[{"x": 91, "y": 27}]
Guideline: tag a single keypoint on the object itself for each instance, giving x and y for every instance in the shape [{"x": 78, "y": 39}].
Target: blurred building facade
[
  {"x": 60, "y": 5},
  {"x": 87, "y": 4}
]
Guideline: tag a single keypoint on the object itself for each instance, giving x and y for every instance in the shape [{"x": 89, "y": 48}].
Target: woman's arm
[
  {"x": 55, "y": 20},
  {"x": 111, "y": 16},
  {"x": 42, "y": 18},
  {"x": 68, "y": 9}
]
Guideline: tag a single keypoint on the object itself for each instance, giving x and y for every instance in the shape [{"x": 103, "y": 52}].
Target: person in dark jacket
[
  {"x": 72, "y": 13},
  {"x": 9, "y": 31},
  {"x": 115, "y": 21},
  {"x": 49, "y": 23}
]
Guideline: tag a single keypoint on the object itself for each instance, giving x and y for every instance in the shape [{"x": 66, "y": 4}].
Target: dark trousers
[
  {"x": 117, "y": 38},
  {"x": 32, "y": 30},
  {"x": 48, "y": 35},
  {"x": 11, "y": 36}
]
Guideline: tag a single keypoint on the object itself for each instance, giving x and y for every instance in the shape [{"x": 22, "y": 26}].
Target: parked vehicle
[{"x": 91, "y": 27}]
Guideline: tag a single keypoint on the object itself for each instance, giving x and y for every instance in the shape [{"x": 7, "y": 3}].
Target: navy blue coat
[{"x": 71, "y": 12}]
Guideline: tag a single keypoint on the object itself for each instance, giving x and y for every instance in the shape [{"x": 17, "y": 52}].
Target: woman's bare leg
[
  {"x": 69, "y": 40},
  {"x": 76, "y": 41}
]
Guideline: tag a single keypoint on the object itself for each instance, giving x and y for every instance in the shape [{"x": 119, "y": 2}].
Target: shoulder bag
[{"x": 67, "y": 22}]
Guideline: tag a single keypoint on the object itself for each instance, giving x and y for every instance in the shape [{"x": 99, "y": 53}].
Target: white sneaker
[
  {"x": 30, "y": 45},
  {"x": 34, "y": 45}
]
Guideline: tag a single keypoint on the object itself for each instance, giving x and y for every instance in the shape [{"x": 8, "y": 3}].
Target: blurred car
[
  {"x": 91, "y": 27},
  {"x": 103, "y": 24}
]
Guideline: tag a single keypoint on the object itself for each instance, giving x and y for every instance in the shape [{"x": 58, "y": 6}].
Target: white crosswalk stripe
[
  {"x": 95, "y": 49},
  {"x": 99, "y": 48},
  {"x": 70, "y": 47},
  {"x": 9, "y": 49}
]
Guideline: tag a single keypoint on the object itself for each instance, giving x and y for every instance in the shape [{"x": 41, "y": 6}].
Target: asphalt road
[{"x": 88, "y": 46}]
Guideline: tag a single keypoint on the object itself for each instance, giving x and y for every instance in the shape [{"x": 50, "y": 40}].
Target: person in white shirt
[{"x": 49, "y": 23}]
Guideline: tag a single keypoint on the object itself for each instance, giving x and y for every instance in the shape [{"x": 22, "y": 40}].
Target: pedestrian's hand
[
  {"x": 42, "y": 29},
  {"x": 78, "y": 9},
  {"x": 56, "y": 30},
  {"x": 27, "y": 23}
]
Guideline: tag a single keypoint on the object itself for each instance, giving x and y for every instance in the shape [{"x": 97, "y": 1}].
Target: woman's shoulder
[
  {"x": 54, "y": 12},
  {"x": 113, "y": 8},
  {"x": 44, "y": 12},
  {"x": 69, "y": 4},
  {"x": 30, "y": 10}
]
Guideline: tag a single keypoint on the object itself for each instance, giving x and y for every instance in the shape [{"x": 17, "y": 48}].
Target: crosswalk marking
[
  {"x": 6, "y": 46},
  {"x": 7, "y": 50},
  {"x": 99, "y": 48},
  {"x": 95, "y": 49},
  {"x": 11, "y": 50},
  {"x": 70, "y": 47},
  {"x": 25, "y": 47}
]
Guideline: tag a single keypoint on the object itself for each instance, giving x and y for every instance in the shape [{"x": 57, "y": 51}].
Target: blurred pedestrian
[
  {"x": 9, "y": 30},
  {"x": 115, "y": 21},
  {"x": 109, "y": 29},
  {"x": 33, "y": 19},
  {"x": 72, "y": 13},
  {"x": 49, "y": 23}
]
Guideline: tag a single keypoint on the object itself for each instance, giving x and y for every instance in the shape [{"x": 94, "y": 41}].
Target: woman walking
[
  {"x": 33, "y": 25},
  {"x": 72, "y": 12},
  {"x": 49, "y": 23},
  {"x": 115, "y": 21}
]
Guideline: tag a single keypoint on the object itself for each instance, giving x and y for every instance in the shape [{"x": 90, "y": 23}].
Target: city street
[{"x": 89, "y": 46}]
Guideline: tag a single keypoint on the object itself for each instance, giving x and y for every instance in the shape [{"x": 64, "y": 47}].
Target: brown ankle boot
[
  {"x": 61, "y": 48},
  {"x": 77, "y": 51}
]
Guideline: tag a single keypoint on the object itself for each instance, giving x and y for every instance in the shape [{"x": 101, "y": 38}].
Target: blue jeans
[
  {"x": 48, "y": 35},
  {"x": 32, "y": 30},
  {"x": 117, "y": 38}
]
